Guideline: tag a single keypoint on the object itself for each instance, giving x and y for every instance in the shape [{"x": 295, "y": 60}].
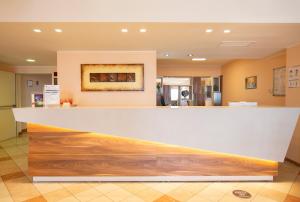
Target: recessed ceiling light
[
  {"x": 124, "y": 30},
  {"x": 226, "y": 31},
  {"x": 199, "y": 59},
  {"x": 167, "y": 54},
  {"x": 58, "y": 30},
  {"x": 209, "y": 30},
  {"x": 190, "y": 55},
  {"x": 37, "y": 30},
  {"x": 143, "y": 30},
  {"x": 30, "y": 60}
]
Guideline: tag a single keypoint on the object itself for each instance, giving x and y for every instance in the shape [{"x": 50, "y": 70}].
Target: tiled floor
[{"x": 16, "y": 185}]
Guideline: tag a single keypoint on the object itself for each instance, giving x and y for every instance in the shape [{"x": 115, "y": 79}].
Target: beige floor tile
[
  {"x": 133, "y": 199},
  {"x": 69, "y": 199},
  {"x": 229, "y": 197},
  {"x": 223, "y": 186},
  {"x": 118, "y": 194},
  {"x": 291, "y": 198},
  {"x": 14, "y": 151},
  {"x": 252, "y": 187},
  {"x": 295, "y": 189},
  {"x": 101, "y": 199},
  {"x": 105, "y": 188},
  {"x": 211, "y": 193},
  {"x": 3, "y": 153},
  {"x": 4, "y": 193},
  {"x": 259, "y": 198},
  {"x": 198, "y": 198},
  {"x": 194, "y": 187},
  {"x": 88, "y": 195},
  {"x": 45, "y": 187},
  {"x": 149, "y": 194},
  {"x": 6, "y": 199},
  {"x": 76, "y": 188},
  {"x": 8, "y": 167},
  {"x": 21, "y": 189},
  {"x": 37, "y": 199},
  {"x": 181, "y": 194},
  {"x": 164, "y": 187},
  {"x": 272, "y": 194},
  {"x": 166, "y": 198},
  {"x": 133, "y": 187},
  {"x": 283, "y": 187},
  {"x": 57, "y": 195}
]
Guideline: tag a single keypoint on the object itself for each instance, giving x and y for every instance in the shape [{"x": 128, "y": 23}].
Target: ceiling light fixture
[
  {"x": 227, "y": 31},
  {"x": 209, "y": 30},
  {"x": 143, "y": 30},
  {"x": 124, "y": 30},
  {"x": 190, "y": 55},
  {"x": 199, "y": 59},
  {"x": 37, "y": 30},
  {"x": 30, "y": 60},
  {"x": 58, "y": 30},
  {"x": 167, "y": 54}
]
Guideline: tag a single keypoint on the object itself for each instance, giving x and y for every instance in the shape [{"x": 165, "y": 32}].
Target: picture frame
[
  {"x": 251, "y": 82},
  {"x": 29, "y": 83},
  {"x": 279, "y": 81},
  {"x": 112, "y": 77}
]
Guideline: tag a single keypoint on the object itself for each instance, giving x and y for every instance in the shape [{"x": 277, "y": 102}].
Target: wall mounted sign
[
  {"x": 251, "y": 82},
  {"x": 294, "y": 77},
  {"x": 51, "y": 95},
  {"x": 279, "y": 75},
  {"x": 29, "y": 83},
  {"x": 112, "y": 77}
]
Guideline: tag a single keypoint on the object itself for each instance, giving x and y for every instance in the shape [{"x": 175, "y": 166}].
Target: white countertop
[{"x": 260, "y": 132}]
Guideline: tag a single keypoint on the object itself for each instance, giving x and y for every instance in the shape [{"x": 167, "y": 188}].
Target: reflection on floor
[{"x": 16, "y": 185}]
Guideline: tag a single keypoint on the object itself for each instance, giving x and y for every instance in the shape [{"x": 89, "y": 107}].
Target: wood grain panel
[{"x": 53, "y": 152}]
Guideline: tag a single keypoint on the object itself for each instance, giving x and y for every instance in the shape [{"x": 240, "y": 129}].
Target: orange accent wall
[
  {"x": 293, "y": 99},
  {"x": 188, "y": 70},
  {"x": 69, "y": 77},
  {"x": 234, "y": 74}
]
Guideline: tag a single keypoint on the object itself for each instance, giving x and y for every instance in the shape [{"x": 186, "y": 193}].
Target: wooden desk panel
[{"x": 55, "y": 152}]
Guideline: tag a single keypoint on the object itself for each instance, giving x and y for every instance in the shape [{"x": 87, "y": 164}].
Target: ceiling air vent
[{"x": 237, "y": 43}]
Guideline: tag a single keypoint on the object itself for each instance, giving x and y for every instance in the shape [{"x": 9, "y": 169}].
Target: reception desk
[{"x": 157, "y": 143}]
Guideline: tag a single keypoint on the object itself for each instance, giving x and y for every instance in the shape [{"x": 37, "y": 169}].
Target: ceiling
[
  {"x": 213, "y": 11},
  {"x": 18, "y": 42}
]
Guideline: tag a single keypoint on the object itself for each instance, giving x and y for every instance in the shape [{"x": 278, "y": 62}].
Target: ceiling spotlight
[
  {"x": 209, "y": 30},
  {"x": 124, "y": 30},
  {"x": 199, "y": 59},
  {"x": 143, "y": 30},
  {"x": 37, "y": 30},
  {"x": 227, "y": 31},
  {"x": 190, "y": 55},
  {"x": 58, "y": 30},
  {"x": 167, "y": 55},
  {"x": 30, "y": 60}
]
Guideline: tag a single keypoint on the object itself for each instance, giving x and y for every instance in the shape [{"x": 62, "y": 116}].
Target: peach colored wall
[
  {"x": 6, "y": 68},
  {"x": 234, "y": 75},
  {"x": 188, "y": 70},
  {"x": 293, "y": 99},
  {"x": 69, "y": 77}
]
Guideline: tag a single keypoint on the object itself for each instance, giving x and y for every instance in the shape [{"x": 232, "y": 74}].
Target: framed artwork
[
  {"x": 112, "y": 77},
  {"x": 294, "y": 77},
  {"x": 279, "y": 81},
  {"x": 29, "y": 83},
  {"x": 251, "y": 82}
]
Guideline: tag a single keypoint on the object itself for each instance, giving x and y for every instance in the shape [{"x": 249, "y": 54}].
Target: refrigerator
[{"x": 7, "y": 102}]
